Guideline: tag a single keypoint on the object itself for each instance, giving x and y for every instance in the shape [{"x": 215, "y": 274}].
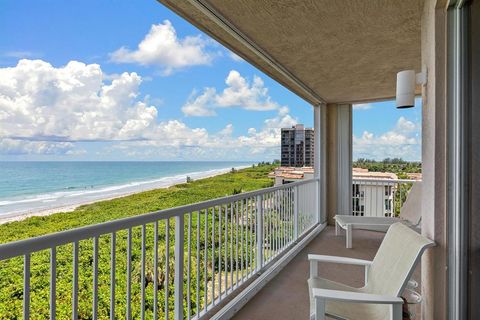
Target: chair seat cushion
[{"x": 346, "y": 310}]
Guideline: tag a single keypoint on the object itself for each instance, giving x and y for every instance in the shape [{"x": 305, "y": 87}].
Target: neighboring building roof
[
  {"x": 359, "y": 170},
  {"x": 298, "y": 173},
  {"x": 292, "y": 175},
  {"x": 415, "y": 175},
  {"x": 291, "y": 172},
  {"x": 362, "y": 174}
]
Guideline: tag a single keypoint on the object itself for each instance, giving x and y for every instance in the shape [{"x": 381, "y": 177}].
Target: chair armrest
[
  {"x": 315, "y": 258},
  {"x": 356, "y": 297},
  {"x": 322, "y": 295},
  {"x": 340, "y": 260}
]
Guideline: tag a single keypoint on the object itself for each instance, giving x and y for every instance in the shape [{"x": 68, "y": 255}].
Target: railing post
[
  {"x": 317, "y": 200},
  {"x": 259, "y": 233},
  {"x": 179, "y": 253},
  {"x": 295, "y": 212}
]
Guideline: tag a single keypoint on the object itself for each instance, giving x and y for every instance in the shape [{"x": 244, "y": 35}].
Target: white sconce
[{"x": 406, "y": 82}]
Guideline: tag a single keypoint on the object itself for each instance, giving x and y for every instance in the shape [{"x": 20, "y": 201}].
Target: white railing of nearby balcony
[
  {"x": 125, "y": 269},
  {"x": 379, "y": 197}
]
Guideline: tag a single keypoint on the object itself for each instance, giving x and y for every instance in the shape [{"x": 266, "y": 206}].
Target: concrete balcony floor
[{"x": 286, "y": 296}]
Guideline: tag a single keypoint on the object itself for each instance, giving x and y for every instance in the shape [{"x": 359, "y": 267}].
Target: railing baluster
[
  {"x": 220, "y": 252},
  {"x": 249, "y": 232},
  {"x": 189, "y": 265},
  {"x": 75, "y": 282},
  {"x": 278, "y": 219},
  {"x": 225, "y": 208},
  {"x": 26, "y": 286},
  {"x": 295, "y": 213},
  {"x": 252, "y": 221},
  {"x": 266, "y": 225},
  {"x": 241, "y": 240},
  {"x": 291, "y": 208},
  {"x": 167, "y": 266},
  {"x": 271, "y": 221},
  {"x": 179, "y": 267},
  {"x": 279, "y": 222},
  {"x": 205, "y": 280},
  {"x": 112, "y": 276},
  {"x": 142, "y": 275},
  {"x": 270, "y": 226},
  {"x": 282, "y": 219},
  {"x": 401, "y": 200},
  {"x": 155, "y": 270},
  {"x": 231, "y": 246},
  {"x": 236, "y": 244},
  {"x": 53, "y": 283},
  {"x": 212, "y": 294},
  {"x": 198, "y": 304},
  {"x": 95, "y": 279},
  {"x": 129, "y": 274},
  {"x": 259, "y": 234}
]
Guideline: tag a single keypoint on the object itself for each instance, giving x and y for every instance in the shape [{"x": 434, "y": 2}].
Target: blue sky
[{"x": 130, "y": 80}]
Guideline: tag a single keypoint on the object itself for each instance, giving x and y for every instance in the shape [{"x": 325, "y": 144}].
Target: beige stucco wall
[{"x": 434, "y": 263}]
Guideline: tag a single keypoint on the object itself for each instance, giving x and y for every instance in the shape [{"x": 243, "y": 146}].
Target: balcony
[
  {"x": 198, "y": 261},
  {"x": 181, "y": 262}
]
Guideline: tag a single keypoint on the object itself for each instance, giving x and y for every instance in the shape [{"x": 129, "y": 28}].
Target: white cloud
[
  {"x": 20, "y": 54},
  {"x": 239, "y": 92},
  {"x": 71, "y": 103},
  {"x": 22, "y": 147},
  {"x": 402, "y": 141},
  {"x": 162, "y": 47},
  {"x": 198, "y": 105},
  {"x": 46, "y": 110},
  {"x": 182, "y": 142},
  {"x": 362, "y": 106}
]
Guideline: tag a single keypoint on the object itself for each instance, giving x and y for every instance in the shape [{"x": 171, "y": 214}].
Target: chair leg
[
  {"x": 337, "y": 228},
  {"x": 320, "y": 309},
  {"x": 396, "y": 311},
  {"x": 349, "y": 236}
]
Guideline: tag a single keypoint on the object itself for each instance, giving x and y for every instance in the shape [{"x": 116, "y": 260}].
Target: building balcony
[{"x": 199, "y": 261}]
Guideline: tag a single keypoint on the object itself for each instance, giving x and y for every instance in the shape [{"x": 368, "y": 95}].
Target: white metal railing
[
  {"x": 125, "y": 269},
  {"x": 379, "y": 197}
]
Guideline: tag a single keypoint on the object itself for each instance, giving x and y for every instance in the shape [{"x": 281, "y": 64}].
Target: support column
[
  {"x": 338, "y": 160},
  {"x": 434, "y": 185},
  {"x": 320, "y": 164}
]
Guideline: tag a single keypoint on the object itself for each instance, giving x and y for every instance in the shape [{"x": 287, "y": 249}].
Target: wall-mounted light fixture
[{"x": 406, "y": 82}]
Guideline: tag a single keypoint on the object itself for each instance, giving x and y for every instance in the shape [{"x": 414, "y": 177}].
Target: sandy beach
[{"x": 122, "y": 192}]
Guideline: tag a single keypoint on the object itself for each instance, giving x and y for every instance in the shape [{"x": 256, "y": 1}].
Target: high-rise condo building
[{"x": 297, "y": 146}]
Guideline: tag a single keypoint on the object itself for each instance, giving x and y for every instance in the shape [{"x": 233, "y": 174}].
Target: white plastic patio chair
[
  {"x": 410, "y": 215},
  {"x": 385, "y": 279}
]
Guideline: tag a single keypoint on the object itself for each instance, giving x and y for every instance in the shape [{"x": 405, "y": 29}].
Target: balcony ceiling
[{"x": 325, "y": 51}]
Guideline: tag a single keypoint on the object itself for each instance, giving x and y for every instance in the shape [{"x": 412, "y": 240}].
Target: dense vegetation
[
  {"x": 396, "y": 165},
  {"x": 11, "y": 271}
]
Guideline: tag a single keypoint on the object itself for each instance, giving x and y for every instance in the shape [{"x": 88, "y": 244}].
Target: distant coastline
[{"x": 67, "y": 201}]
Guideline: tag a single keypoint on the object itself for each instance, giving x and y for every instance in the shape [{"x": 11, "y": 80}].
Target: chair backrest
[
  {"x": 412, "y": 208},
  {"x": 395, "y": 260}
]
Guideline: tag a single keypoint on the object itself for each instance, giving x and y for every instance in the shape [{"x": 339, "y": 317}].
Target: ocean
[{"x": 36, "y": 186}]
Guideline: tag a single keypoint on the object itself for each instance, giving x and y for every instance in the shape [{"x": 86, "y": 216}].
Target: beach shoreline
[{"x": 22, "y": 215}]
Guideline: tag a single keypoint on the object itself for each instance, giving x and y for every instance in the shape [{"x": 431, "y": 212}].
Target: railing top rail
[
  {"x": 22, "y": 247},
  {"x": 385, "y": 180}
]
